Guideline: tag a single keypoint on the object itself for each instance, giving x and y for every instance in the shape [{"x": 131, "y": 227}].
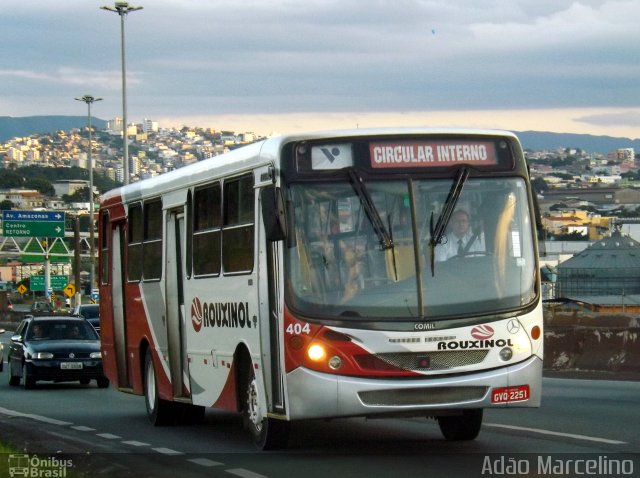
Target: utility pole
[{"x": 122, "y": 9}]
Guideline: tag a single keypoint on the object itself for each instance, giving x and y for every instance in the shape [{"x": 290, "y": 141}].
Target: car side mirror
[
  {"x": 16, "y": 338},
  {"x": 2, "y": 331}
]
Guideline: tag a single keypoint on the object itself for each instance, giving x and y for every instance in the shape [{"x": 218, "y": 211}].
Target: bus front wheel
[
  {"x": 461, "y": 427},
  {"x": 266, "y": 433}
]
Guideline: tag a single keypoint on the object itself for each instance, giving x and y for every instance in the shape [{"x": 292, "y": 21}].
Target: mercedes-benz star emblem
[{"x": 513, "y": 326}]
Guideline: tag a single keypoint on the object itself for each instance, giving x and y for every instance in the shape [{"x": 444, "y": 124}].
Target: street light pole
[
  {"x": 89, "y": 100},
  {"x": 122, "y": 9}
]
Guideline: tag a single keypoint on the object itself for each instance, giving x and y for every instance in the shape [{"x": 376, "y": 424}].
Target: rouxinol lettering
[
  {"x": 474, "y": 344},
  {"x": 226, "y": 314}
]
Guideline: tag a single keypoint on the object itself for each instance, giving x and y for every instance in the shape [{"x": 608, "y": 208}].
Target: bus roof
[{"x": 265, "y": 151}]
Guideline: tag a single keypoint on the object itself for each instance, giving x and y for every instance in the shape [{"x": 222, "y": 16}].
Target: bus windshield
[{"x": 338, "y": 265}]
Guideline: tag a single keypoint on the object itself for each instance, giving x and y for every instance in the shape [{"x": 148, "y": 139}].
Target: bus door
[
  {"x": 272, "y": 273},
  {"x": 175, "y": 313},
  {"x": 117, "y": 297}
]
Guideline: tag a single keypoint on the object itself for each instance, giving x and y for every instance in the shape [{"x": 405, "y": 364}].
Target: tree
[
  {"x": 539, "y": 185},
  {"x": 6, "y": 205},
  {"x": 43, "y": 186}
]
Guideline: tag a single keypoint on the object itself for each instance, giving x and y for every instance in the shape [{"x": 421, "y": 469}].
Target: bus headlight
[
  {"x": 316, "y": 352},
  {"x": 335, "y": 362},
  {"x": 506, "y": 354}
]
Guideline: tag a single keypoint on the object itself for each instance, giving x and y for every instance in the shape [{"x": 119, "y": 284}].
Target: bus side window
[
  {"x": 152, "y": 245},
  {"x": 237, "y": 228},
  {"x": 134, "y": 246},
  {"x": 207, "y": 221}
]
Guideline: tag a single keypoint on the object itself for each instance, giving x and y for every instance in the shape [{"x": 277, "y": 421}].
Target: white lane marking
[
  {"x": 559, "y": 434},
  {"x": 205, "y": 462},
  {"x": 82, "y": 428},
  {"x": 39, "y": 418},
  {"x": 244, "y": 473},
  {"x": 135, "y": 443},
  {"x": 108, "y": 436},
  {"x": 168, "y": 451}
]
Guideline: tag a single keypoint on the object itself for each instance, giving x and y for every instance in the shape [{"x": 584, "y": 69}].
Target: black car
[
  {"x": 91, "y": 312},
  {"x": 58, "y": 349}
]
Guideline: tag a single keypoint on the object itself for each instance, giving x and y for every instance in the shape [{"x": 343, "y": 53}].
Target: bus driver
[{"x": 460, "y": 239}]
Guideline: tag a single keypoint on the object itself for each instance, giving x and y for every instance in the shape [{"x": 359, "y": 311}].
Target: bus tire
[
  {"x": 160, "y": 412},
  {"x": 266, "y": 433},
  {"x": 461, "y": 427}
]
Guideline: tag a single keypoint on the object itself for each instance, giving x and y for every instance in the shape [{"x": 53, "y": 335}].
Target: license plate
[
  {"x": 510, "y": 394},
  {"x": 71, "y": 365}
]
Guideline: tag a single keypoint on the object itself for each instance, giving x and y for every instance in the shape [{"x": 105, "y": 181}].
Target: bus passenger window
[
  {"x": 237, "y": 232},
  {"x": 134, "y": 247},
  {"x": 206, "y": 230},
  {"x": 152, "y": 245}
]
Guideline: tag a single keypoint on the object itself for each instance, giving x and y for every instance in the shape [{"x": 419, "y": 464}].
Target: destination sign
[{"x": 428, "y": 154}]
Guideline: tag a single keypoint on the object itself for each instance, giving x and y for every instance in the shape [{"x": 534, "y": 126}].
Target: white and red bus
[{"x": 303, "y": 277}]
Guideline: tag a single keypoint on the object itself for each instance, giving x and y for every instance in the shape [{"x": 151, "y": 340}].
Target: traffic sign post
[
  {"x": 69, "y": 290},
  {"x": 33, "y": 223}
]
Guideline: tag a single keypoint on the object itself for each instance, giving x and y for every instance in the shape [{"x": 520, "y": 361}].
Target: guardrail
[{"x": 592, "y": 343}]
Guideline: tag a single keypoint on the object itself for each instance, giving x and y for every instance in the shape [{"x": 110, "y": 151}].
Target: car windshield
[
  {"x": 89, "y": 312},
  {"x": 61, "y": 330},
  {"x": 337, "y": 265}
]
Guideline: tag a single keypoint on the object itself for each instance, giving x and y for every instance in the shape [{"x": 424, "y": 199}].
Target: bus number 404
[{"x": 297, "y": 329}]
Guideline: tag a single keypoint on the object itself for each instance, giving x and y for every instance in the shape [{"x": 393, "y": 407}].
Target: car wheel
[
  {"x": 461, "y": 427},
  {"x": 103, "y": 382},
  {"x": 14, "y": 380},
  {"x": 84, "y": 381},
  {"x": 266, "y": 433},
  {"x": 27, "y": 380},
  {"x": 160, "y": 412}
]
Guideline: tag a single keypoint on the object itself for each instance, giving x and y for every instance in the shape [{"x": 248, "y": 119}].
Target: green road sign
[
  {"x": 32, "y": 224},
  {"x": 58, "y": 282}
]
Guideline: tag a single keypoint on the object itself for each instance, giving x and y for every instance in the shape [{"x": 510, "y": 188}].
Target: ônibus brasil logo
[
  {"x": 221, "y": 314},
  {"x": 482, "y": 332}
]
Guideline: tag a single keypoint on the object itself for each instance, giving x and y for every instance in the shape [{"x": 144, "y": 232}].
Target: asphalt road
[{"x": 107, "y": 432}]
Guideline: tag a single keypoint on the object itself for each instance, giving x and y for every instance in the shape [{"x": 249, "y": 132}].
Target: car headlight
[
  {"x": 42, "y": 355},
  {"x": 95, "y": 355}
]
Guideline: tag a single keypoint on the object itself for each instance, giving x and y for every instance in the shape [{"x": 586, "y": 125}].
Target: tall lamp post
[
  {"x": 122, "y": 9},
  {"x": 89, "y": 100}
]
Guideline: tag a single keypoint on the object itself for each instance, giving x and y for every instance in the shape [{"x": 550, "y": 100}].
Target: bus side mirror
[{"x": 273, "y": 214}]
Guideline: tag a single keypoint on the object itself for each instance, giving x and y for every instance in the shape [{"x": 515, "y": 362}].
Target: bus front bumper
[{"x": 318, "y": 395}]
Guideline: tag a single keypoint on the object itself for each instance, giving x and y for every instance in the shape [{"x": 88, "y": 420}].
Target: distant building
[
  {"x": 608, "y": 268},
  {"x": 69, "y": 186}
]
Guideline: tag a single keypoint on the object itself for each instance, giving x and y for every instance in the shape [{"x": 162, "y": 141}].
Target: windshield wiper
[
  {"x": 437, "y": 232},
  {"x": 386, "y": 242}
]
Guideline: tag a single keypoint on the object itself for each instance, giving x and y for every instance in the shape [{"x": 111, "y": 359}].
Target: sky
[{"x": 284, "y": 66}]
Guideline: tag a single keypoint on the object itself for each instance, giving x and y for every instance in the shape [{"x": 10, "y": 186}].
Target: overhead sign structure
[{"x": 33, "y": 223}]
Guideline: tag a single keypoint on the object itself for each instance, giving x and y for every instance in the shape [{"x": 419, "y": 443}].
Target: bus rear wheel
[
  {"x": 160, "y": 412},
  {"x": 461, "y": 427},
  {"x": 266, "y": 433}
]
